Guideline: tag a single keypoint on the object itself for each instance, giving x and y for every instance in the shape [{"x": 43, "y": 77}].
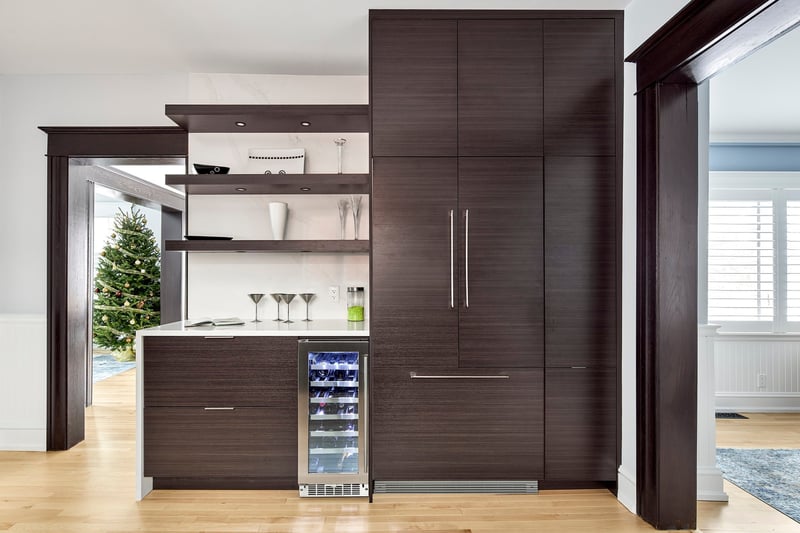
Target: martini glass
[
  {"x": 307, "y": 297},
  {"x": 277, "y": 297},
  {"x": 288, "y": 299},
  {"x": 256, "y": 297}
]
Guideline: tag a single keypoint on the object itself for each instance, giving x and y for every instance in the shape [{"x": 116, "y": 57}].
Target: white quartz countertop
[{"x": 315, "y": 328}]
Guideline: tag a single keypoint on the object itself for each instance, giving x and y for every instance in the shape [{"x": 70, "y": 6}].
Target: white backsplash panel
[
  {"x": 321, "y": 157},
  {"x": 220, "y": 282}
]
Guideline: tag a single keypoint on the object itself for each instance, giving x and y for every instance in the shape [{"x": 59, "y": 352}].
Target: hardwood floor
[{"x": 90, "y": 489}]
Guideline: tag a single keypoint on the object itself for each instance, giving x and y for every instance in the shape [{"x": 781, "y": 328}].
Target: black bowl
[{"x": 210, "y": 169}]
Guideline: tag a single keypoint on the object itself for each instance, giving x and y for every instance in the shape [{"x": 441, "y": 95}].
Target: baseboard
[
  {"x": 709, "y": 485},
  {"x": 626, "y": 489},
  {"x": 23, "y": 440},
  {"x": 758, "y": 402}
]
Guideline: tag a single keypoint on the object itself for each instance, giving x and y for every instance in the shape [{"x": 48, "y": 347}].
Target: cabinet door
[
  {"x": 192, "y": 442},
  {"x": 220, "y": 371},
  {"x": 500, "y": 88},
  {"x": 579, "y": 87},
  {"x": 580, "y": 261},
  {"x": 501, "y": 311},
  {"x": 413, "y": 269},
  {"x": 457, "y": 429},
  {"x": 413, "y": 81},
  {"x": 581, "y": 424}
]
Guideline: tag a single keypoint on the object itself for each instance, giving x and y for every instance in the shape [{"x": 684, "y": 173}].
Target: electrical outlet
[
  {"x": 762, "y": 381},
  {"x": 333, "y": 293}
]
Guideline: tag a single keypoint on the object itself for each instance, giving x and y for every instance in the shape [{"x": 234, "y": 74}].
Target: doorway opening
[{"x": 123, "y": 295}]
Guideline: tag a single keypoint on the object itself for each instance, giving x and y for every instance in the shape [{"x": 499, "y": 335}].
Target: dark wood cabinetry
[
  {"x": 580, "y": 424},
  {"x": 500, "y": 88},
  {"x": 457, "y": 427},
  {"x": 580, "y": 261},
  {"x": 501, "y": 268},
  {"x": 220, "y": 411},
  {"x": 580, "y": 93},
  {"x": 413, "y": 87},
  {"x": 511, "y": 122}
]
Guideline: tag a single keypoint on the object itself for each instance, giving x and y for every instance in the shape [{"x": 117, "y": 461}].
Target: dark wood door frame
[
  {"x": 67, "y": 301},
  {"x": 701, "y": 40}
]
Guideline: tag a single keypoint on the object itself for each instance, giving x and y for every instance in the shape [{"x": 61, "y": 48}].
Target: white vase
[{"x": 278, "y": 212}]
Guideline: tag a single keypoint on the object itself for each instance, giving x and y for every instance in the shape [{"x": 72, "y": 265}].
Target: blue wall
[{"x": 773, "y": 157}]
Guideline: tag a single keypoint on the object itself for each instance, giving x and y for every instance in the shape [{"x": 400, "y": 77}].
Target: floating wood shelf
[
  {"x": 318, "y": 246},
  {"x": 270, "y": 183},
  {"x": 225, "y": 118}
]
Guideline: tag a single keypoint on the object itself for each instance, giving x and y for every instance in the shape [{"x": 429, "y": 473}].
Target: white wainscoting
[
  {"x": 23, "y": 382},
  {"x": 739, "y": 362}
]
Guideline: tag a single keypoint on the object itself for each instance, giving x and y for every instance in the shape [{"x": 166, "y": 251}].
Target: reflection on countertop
[{"x": 314, "y": 328}]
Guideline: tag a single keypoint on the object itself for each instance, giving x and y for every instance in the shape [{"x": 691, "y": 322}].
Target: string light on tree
[{"x": 127, "y": 285}]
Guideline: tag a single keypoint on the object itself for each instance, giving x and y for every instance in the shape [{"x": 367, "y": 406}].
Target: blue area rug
[
  {"x": 772, "y": 476},
  {"x": 105, "y": 366}
]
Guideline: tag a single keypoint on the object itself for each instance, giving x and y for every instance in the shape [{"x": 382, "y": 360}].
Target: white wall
[{"x": 27, "y": 102}]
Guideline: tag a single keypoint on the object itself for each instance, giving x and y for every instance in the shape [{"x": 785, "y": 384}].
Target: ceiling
[
  {"x": 206, "y": 36},
  {"x": 754, "y": 100}
]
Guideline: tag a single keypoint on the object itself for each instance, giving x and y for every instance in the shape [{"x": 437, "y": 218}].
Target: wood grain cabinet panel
[
  {"x": 580, "y": 261},
  {"x": 457, "y": 429},
  {"x": 413, "y": 81},
  {"x": 220, "y": 371},
  {"x": 411, "y": 320},
  {"x": 501, "y": 305},
  {"x": 581, "y": 424},
  {"x": 579, "y": 87},
  {"x": 500, "y": 88},
  {"x": 243, "y": 443}
]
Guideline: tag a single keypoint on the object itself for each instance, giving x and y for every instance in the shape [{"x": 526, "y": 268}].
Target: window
[{"x": 754, "y": 251}]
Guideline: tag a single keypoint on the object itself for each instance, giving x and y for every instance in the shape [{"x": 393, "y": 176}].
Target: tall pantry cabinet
[{"x": 495, "y": 146}]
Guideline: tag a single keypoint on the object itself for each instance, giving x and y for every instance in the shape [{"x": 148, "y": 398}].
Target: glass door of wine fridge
[{"x": 332, "y": 421}]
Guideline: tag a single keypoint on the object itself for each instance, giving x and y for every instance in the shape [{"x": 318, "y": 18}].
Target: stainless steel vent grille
[
  {"x": 458, "y": 487},
  {"x": 334, "y": 489}
]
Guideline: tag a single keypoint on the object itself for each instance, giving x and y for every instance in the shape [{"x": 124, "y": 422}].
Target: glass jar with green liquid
[{"x": 355, "y": 304}]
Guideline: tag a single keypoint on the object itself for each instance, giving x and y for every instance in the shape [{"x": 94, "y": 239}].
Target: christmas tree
[{"x": 127, "y": 285}]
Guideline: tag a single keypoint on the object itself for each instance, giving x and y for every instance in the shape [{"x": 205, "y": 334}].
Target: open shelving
[
  {"x": 266, "y": 246},
  {"x": 270, "y": 183}
]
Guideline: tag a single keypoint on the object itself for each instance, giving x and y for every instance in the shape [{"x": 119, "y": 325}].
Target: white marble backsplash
[{"x": 231, "y": 150}]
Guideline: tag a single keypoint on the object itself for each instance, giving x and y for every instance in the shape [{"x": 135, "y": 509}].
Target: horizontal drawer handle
[
  {"x": 414, "y": 375},
  {"x": 219, "y": 408},
  {"x": 219, "y": 337}
]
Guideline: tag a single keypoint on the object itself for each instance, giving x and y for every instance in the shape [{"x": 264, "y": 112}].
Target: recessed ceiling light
[
  {"x": 305, "y": 123},
  {"x": 240, "y": 124},
  {"x": 241, "y": 189},
  {"x": 305, "y": 189}
]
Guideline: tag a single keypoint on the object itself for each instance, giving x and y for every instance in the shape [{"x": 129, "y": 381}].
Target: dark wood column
[{"x": 667, "y": 305}]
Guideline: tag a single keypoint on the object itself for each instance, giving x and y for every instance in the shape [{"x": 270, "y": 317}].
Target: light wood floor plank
[{"x": 90, "y": 489}]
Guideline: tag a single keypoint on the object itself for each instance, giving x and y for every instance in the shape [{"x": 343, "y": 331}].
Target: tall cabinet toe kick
[{"x": 495, "y": 227}]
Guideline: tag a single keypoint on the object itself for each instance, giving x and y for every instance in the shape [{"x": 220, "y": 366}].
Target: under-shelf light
[
  {"x": 305, "y": 123},
  {"x": 305, "y": 189},
  {"x": 240, "y": 124},
  {"x": 241, "y": 189}
]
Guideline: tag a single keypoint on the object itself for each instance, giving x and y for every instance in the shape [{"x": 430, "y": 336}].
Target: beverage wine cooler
[{"x": 332, "y": 421}]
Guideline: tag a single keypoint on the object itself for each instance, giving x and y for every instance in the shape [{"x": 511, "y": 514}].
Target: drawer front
[
  {"x": 191, "y": 442},
  {"x": 220, "y": 371},
  {"x": 457, "y": 429}
]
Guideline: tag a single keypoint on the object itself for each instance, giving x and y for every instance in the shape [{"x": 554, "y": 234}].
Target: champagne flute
[
  {"x": 343, "y": 204},
  {"x": 307, "y": 297},
  {"x": 256, "y": 297},
  {"x": 277, "y": 297},
  {"x": 355, "y": 206},
  {"x": 288, "y": 299}
]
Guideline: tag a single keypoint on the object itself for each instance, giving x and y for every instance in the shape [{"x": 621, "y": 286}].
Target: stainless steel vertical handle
[
  {"x": 452, "y": 263},
  {"x": 365, "y": 424},
  {"x": 466, "y": 258}
]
